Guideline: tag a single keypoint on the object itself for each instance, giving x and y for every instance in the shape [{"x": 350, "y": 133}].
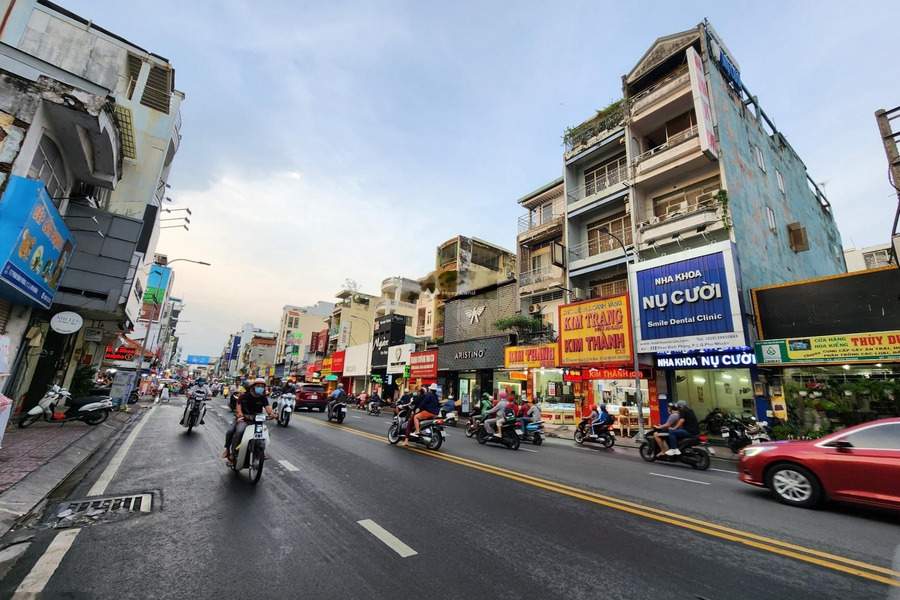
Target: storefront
[
  {"x": 398, "y": 361},
  {"x": 469, "y": 368},
  {"x": 356, "y": 367},
  {"x": 538, "y": 368}
]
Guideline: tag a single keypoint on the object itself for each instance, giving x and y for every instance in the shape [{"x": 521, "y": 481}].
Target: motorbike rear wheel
[
  {"x": 609, "y": 441},
  {"x": 28, "y": 420},
  {"x": 537, "y": 440},
  {"x": 647, "y": 452},
  {"x": 340, "y": 417},
  {"x": 735, "y": 444},
  {"x": 481, "y": 436},
  {"x": 698, "y": 459},
  {"x": 393, "y": 434},
  {"x": 96, "y": 417},
  {"x": 257, "y": 459},
  {"x": 436, "y": 440}
]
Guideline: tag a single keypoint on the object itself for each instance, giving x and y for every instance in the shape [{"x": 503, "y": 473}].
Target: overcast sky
[{"x": 332, "y": 140}]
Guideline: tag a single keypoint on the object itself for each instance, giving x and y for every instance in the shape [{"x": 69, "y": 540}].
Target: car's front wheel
[{"x": 794, "y": 485}]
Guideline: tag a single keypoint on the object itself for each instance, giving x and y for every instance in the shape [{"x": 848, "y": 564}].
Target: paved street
[{"x": 339, "y": 513}]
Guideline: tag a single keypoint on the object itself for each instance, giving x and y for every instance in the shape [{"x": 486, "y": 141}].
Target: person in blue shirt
[{"x": 599, "y": 419}]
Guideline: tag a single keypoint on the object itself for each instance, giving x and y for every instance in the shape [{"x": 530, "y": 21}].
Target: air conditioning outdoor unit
[
  {"x": 577, "y": 294},
  {"x": 534, "y": 309}
]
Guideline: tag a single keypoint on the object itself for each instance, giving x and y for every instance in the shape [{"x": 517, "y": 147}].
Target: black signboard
[
  {"x": 390, "y": 330},
  {"x": 853, "y": 303},
  {"x": 469, "y": 355}
]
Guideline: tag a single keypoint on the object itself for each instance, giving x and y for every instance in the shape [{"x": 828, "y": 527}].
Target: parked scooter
[
  {"x": 712, "y": 422},
  {"x": 283, "y": 407},
  {"x": 534, "y": 433},
  {"x": 695, "y": 451},
  {"x": 508, "y": 437},
  {"x": 194, "y": 411},
  {"x": 58, "y": 406},
  {"x": 338, "y": 411},
  {"x": 585, "y": 433},
  {"x": 739, "y": 434},
  {"x": 251, "y": 452},
  {"x": 431, "y": 431}
]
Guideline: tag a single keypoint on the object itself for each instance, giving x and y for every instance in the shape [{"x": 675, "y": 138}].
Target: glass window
[
  {"x": 771, "y": 214},
  {"x": 604, "y": 175},
  {"x": 759, "y": 159},
  {"x": 780, "y": 180},
  {"x": 619, "y": 225},
  {"x": 448, "y": 254},
  {"x": 687, "y": 199},
  {"x": 877, "y": 437},
  {"x": 48, "y": 166}
]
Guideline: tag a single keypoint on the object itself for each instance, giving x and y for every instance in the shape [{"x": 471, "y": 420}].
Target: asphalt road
[{"x": 555, "y": 521}]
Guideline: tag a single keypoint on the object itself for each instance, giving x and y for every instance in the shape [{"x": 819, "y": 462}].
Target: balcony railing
[
  {"x": 687, "y": 206},
  {"x": 613, "y": 176},
  {"x": 385, "y": 304},
  {"x": 670, "y": 142},
  {"x": 540, "y": 274},
  {"x": 598, "y": 246},
  {"x": 531, "y": 220}
]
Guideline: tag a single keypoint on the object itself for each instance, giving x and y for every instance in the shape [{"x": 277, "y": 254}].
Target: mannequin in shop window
[{"x": 624, "y": 420}]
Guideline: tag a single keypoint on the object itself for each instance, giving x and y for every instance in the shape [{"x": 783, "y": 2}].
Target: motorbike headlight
[{"x": 754, "y": 450}]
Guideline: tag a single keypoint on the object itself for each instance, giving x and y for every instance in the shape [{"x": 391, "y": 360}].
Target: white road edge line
[
  {"x": 680, "y": 478},
  {"x": 724, "y": 471},
  {"x": 389, "y": 539},
  {"x": 109, "y": 472},
  {"x": 47, "y": 564},
  {"x": 288, "y": 465}
]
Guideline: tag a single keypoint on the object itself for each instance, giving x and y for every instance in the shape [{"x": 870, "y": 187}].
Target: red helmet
[{"x": 593, "y": 407}]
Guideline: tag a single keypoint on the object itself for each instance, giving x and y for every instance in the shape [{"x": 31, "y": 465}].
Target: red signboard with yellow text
[
  {"x": 595, "y": 332},
  {"x": 531, "y": 357}
]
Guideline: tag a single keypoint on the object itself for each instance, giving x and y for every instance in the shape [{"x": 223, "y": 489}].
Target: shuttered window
[{"x": 158, "y": 90}]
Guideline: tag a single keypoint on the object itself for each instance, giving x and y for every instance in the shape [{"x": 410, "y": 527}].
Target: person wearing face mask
[{"x": 250, "y": 403}]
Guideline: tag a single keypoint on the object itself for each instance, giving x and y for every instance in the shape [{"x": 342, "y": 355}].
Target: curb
[{"x": 20, "y": 499}]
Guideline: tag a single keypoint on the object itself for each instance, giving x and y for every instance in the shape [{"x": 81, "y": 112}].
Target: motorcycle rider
[
  {"x": 337, "y": 395},
  {"x": 500, "y": 411},
  {"x": 374, "y": 401},
  {"x": 601, "y": 421},
  {"x": 686, "y": 426},
  {"x": 428, "y": 408},
  {"x": 200, "y": 386},
  {"x": 673, "y": 418},
  {"x": 251, "y": 403},
  {"x": 533, "y": 415}
]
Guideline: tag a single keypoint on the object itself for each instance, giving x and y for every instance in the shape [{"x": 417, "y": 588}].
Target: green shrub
[{"x": 82, "y": 381}]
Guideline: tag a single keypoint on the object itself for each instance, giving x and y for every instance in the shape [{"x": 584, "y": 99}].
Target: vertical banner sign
[
  {"x": 595, "y": 332},
  {"x": 344, "y": 336},
  {"x": 157, "y": 282},
  {"x": 700, "y": 92},
  {"x": 35, "y": 244}
]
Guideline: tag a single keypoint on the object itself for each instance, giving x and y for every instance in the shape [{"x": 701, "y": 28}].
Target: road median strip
[{"x": 824, "y": 559}]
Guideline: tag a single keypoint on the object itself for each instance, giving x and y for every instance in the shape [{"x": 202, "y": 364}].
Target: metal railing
[
  {"x": 670, "y": 142},
  {"x": 700, "y": 203},
  {"x": 613, "y": 176},
  {"x": 531, "y": 220},
  {"x": 598, "y": 246},
  {"x": 542, "y": 273}
]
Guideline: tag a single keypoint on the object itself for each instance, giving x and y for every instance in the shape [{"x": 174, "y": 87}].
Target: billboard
[
  {"x": 690, "y": 301},
  {"x": 157, "y": 284},
  {"x": 35, "y": 244},
  {"x": 235, "y": 348},
  {"x": 398, "y": 357},
  {"x": 423, "y": 365},
  {"x": 595, "y": 332},
  {"x": 531, "y": 357},
  {"x": 390, "y": 330},
  {"x": 859, "y": 347},
  {"x": 195, "y": 359},
  {"x": 700, "y": 94}
]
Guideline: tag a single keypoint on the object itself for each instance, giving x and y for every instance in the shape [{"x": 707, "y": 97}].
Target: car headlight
[{"x": 754, "y": 450}]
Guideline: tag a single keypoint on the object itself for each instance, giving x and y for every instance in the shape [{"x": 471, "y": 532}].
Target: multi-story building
[
  {"x": 462, "y": 264},
  {"x": 868, "y": 258},
  {"x": 295, "y": 332},
  {"x": 541, "y": 233},
  {"x": 352, "y": 320},
  {"x": 693, "y": 178},
  {"x": 91, "y": 125},
  {"x": 399, "y": 296}
]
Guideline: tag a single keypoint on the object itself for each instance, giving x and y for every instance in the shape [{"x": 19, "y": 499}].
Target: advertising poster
[
  {"x": 530, "y": 357},
  {"x": 157, "y": 282},
  {"x": 595, "y": 332},
  {"x": 855, "y": 347},
  {"x": 35, "y": 244},
  {"x": 194, "y": 359}
]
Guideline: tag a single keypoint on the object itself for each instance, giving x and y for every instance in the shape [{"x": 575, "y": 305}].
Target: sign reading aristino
[{"x": 595, "y": 332}]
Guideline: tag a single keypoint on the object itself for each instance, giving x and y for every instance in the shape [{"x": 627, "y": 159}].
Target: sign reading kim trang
[
  {"x": 595, "y": 332},
  {"x": 689, "y": 303}
]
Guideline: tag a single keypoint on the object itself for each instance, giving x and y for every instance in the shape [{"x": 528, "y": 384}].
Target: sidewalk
[{"x": 35, "y": 460}]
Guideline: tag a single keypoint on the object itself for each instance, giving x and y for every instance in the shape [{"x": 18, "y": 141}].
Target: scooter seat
[
  {"x": 85, "y": 400},
  {"x": 688, "y": 442}
]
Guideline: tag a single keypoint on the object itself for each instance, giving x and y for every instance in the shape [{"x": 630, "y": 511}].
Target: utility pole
[{"x": 889, "y": 139}]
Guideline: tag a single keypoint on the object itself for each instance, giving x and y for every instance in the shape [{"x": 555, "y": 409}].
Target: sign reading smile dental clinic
[{"x": 689, "y": 303}]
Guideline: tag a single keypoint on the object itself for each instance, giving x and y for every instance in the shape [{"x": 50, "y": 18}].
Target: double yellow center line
[{"x": 824, "y": 559}]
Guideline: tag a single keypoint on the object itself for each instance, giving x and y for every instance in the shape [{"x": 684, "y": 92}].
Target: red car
[
  {"x": 312, "y": 395},
  {"x": 860, "y": 464}
]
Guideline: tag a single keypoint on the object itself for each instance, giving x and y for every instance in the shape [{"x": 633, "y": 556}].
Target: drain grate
[{"x": 80, "y": 512}]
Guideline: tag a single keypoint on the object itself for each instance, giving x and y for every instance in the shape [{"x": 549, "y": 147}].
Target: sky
[{"x": 326, "y": 141}]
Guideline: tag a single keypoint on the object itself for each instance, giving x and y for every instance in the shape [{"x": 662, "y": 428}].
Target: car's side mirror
[{"x": 839, "y": 444}]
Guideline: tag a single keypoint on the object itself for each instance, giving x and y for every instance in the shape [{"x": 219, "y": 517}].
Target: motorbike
[
  {"x": 451, "y": 417},
  {"x": 251, "y": 452},
  {"x": 712, "y": 422},
  {"x": 738, "y": 434},
  {"x": 283, "y": 407},
  {"x": 338, "y": 411},
  {"x": 508, "y": 437},
  {"x": 431, "y": 431},
  {"x": 695, "y": 450},
  {"x": 374, "y": 409},
  {"x": 585, "y": 433},
  {"x": 472, "y": 425},
  {"x": 58, "y": 406},
  {"x": 194, "y": 411},
  {"x": 534, "y": 433}
]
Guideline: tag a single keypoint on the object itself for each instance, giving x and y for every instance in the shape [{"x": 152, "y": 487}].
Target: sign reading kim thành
[
  {"x": 531, "y": 357},
  {"x": 595, "y": 332}
]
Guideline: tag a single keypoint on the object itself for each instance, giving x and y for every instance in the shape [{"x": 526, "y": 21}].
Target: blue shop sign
[
  {"x": 689, "y": 304},
  {"x": 737, "y": 359},
  {"x": 35, "y": 244},
  {"x": 195, "y": 359}
]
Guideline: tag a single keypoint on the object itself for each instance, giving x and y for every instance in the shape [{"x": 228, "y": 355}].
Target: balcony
[
  {"x": 703, "y": 216},
  {"x": 684, "y": 146},
  {"x": 384, "y": 305},
  {"x": 540, "y": 278},
  {"x": 533, "y": 226},
  {"x": 654, "y": 96},
  {"x": 612, "y": 182},
  {"x": 595, "y": 252}
]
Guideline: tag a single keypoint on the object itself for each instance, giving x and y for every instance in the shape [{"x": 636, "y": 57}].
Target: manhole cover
[{"x": 80, "y": 512}]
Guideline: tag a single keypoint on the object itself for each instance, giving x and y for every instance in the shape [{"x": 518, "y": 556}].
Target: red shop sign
[
  {"x": 337, "y": 362},
  {"x": 423, "y": 364}
]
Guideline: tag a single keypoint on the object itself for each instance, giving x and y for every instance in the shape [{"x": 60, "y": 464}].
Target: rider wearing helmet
[
  {"x": 200, "y": 386},
  {"x": 598, "y": 418},
  {"x": 251, "y": 403},
  {"x": 337, "y": 394}
]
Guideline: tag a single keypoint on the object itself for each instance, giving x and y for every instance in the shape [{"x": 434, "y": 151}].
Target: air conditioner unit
[
  {"x": 534, "y": 309},
  {"x": 577, "y": 294}
]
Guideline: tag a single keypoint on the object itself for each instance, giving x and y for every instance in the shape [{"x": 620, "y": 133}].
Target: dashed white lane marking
[
  {"x": 680, "y": 478},
  {"x": 109, "y": 472},
  {"x": 387, "y": 537},
  {"x": 724, "y": 471},
  {"x": 288, "y": 465},
  {"x": 527, "y": 450},
  {"x": 355, "y": 417},
  {"x": 47, "y": 564}
]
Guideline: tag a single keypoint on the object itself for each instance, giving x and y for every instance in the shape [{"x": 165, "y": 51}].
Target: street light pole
[{"x": 637, "y": 366}]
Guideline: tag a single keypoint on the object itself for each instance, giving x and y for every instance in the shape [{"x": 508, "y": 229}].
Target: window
[
  {"x": 759, "y": 159},
  {"x": 158, "y": 89},
  {"x": 602, "y": 176},
  {"x": 687, "y": 199},
  {"x": 610, "y": 286},
  {"x": 486, "y": 257},
  {"x": 48, "y": 166},
  {"x": 797, "y": 237},
  {"x": 673, "y": 132},
  {"x": 428, "y": 318},
  {"x": 877, "y": 258},
  {"x": 780, "y": 180},
  {"x": 619, "y": 225},
  {"x": 771, "y": 214},
  {"x": 448, "y": 254},
  {"x": 877, "y": 437},
  {"x": 542, "y": 214}
]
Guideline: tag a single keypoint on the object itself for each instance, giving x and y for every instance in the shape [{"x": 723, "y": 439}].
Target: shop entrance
[{"x": 729, "y": 390}]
